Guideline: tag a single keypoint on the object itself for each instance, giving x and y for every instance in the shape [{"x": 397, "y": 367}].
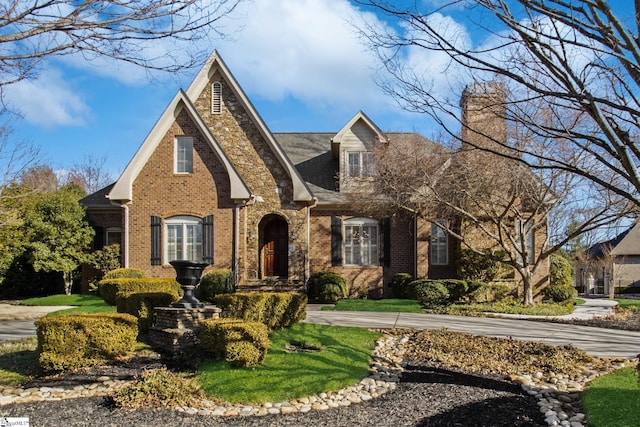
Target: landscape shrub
[
  {"x": 239, "y": 343},
  {"x": 277, "y": 310},
  {"x": 74, "y": 341},
  {"x": 559, "y": 271},
  {"x": 327, "y": 286},
  {"x": 215, "y": 283},
  {"x": 481, "y": 267},
  {"x": 457, "y": 289},
  {"x": 124, "y": 273},
  {"x": 108, "y": 288},
  {"x": 560, "y": 293},
  {"x": 480, "y": 292},
  {"x": 159, "y": 387},
  {"x": 141, "y": 305},
  {"x": 430, "y": 293},
  {"x": 399, "y": 284}
]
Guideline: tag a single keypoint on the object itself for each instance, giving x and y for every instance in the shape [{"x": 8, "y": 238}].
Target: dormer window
[
  {"x": 183, "y": 154},
  {"x": 359, "y": 164},
  {"x": 216, "y": 98}
]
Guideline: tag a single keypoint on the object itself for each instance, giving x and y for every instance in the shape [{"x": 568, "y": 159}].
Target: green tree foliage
[{"x": 58, "y": 234}]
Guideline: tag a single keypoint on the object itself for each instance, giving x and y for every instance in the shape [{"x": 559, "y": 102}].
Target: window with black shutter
[
  {"x": 156, "y": 240},
  {"x": 207, "y": 239}
]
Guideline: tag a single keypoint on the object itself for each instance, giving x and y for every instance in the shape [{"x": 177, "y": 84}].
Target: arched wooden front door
[{"x": 275, "y": 247}]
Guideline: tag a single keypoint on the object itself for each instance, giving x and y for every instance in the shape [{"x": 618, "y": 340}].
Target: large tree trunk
[
  {"x": 68, "y": 281},
  {"x": 527, "y": 283}
]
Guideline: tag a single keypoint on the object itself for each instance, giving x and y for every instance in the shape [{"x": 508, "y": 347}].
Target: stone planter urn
[{"x": 188, "y": 274}]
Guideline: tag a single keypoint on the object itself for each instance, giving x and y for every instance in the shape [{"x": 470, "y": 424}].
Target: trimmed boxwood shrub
[
  {"x": 457, "y": 289},
  {"x": 141, "y": 305},
  {"x": 74, "y": 341},
  {"x": 430, "y": 293},
  {"x": 108, "y": 288},
  {"x": 559, "y": 293},
  {"x": 124, "y": 273},
  {"x": 215, "y": 283},
  {"x": 559, "y": 271},
  {"x": 399, "y": 284},
  {"x": 327, "y": 286},
  {"x": 240, "y": 343},
  {"x": 277, "y": 310},
  {"x": 480, "y": 292}
]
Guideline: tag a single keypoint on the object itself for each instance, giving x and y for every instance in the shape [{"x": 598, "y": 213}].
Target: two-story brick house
[{"x": 211, "y": 182}]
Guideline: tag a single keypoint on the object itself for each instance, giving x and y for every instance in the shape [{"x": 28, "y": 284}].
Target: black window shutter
[
  {"x": 336, "y": 241},
  {"x": 385, "y": 242},
  {"x": 207, "y": 239},
  {"x": 156, "y": 240},
  {"x": 98, "y": 238}
]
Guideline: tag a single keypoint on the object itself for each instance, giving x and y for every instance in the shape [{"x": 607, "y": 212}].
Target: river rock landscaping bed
[{"x": 404, "y": 388}]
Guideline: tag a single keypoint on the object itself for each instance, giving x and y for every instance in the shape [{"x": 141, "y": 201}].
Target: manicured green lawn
[
  {"x": 387, "y": 305},
  {"x": 18, "y": 361},
  {"x": 284, "y": 375},
  {"x": 83, "y": 303},
  {"x": 626, "y": 303},
  {"x": 613, "y": 400}
]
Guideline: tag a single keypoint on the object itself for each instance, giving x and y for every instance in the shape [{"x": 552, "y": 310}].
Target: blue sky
[{"x": 300, "y": 62}]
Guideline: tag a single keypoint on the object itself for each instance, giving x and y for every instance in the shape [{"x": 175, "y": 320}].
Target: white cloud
[
  {"x": 47, "y": 101},
  {"x": 305, "y": 49}
]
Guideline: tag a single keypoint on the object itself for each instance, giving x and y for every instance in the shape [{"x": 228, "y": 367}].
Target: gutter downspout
[
  {"x": 125, "y": 230},
  {"x": 307, "y": 259}
]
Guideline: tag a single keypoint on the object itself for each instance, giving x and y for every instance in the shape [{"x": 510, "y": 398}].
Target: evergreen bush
[
  {"x": 215, "y": 283},
  {"x": 277, "y": 310},
  {"x": 124, "y": 273},
  {"x": 430, "y": 293},
  {"x": 141, "y": 305},
  {"x": 108, "y": 288},
  {"x": 239, "y": 343},
  {"x": 399, "y": 284},
  {"x": 480, "y": 292},
  {"x": 327, "y": 286},
  {"x": 559, "y": 293},
  {"x": 70, "y": 342}
]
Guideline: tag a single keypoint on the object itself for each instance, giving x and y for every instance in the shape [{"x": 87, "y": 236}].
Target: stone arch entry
[{"x": 274, "y": 251}]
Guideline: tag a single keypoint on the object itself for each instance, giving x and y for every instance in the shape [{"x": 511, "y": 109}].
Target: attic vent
[{"x": 216, "y": 98}]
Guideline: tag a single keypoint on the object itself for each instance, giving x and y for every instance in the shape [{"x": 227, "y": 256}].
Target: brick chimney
[{"x": 483, "y": 115}]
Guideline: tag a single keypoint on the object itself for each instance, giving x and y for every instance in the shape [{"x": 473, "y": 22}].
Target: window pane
[
  {"x": 439, "y": 243},
  {"x": 354, "y": 164},
  {"x": 367, "y": 165},
  {"x": 184, "y": 155},
  {"x": 174, "y": 242},
  {"x": 193, "y": 243}
]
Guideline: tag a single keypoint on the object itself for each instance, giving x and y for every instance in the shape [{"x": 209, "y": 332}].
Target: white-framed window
[
  {"x": 439, "y": 246},
  {"x": 112, "y": 236},
  {"x": 529, "y": 243},
  {"x": 361, "y": 241},
  {"x": 216, "y": 98},
  {"x": 359, "y": 164},
  {"x": 184, "y": 154},
  {"x": 183, "y": 238}
]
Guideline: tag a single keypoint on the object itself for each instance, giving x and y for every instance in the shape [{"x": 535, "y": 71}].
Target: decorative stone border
[{"x": 558, "y": 395}]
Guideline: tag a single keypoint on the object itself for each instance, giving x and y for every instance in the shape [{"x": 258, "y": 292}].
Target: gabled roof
[
  {"x": 122, "y": 190},
  {"x": 300, "y": 190},
  {"x": 625, "y": 243},
  {"x": 629, "y": 243},
  {"x": 359, "y": 116}
]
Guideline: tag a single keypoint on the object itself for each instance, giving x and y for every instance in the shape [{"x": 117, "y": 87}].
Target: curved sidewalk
[{"x": 595, "y": 341}]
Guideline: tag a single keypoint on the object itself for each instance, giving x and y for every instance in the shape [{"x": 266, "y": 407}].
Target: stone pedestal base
[{"x": 175, "y": 330}]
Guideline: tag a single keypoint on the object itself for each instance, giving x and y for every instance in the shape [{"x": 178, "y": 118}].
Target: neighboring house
[
  {"x": 611, "y": 263},
  {"x": 211, "y": 182}
]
